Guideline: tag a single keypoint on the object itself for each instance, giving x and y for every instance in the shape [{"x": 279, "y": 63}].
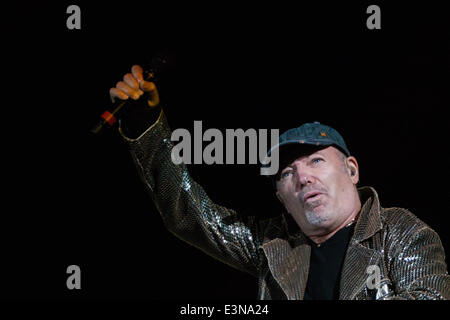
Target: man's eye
[
  {"x": 316, "y": 160},
  {"x": 285, "y": 174}
]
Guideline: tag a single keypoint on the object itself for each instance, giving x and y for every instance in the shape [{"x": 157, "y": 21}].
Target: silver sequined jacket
[{"x": 409, "y": 254}]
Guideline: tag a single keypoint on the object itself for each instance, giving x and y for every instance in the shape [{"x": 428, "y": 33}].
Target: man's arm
[{"x": 184, "y": 206}]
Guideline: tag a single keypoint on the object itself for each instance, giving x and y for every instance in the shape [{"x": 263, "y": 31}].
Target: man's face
[{"x": 317, "y": 187}]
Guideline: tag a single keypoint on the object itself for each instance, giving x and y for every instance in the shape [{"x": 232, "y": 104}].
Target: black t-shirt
[{"x": 325, "y": 266}]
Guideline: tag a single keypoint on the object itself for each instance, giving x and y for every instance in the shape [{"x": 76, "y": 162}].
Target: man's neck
[{"x": 319, "y": 239}]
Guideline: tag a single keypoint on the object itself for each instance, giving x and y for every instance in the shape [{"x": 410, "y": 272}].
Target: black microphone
[{"x": 151, "y": 72}]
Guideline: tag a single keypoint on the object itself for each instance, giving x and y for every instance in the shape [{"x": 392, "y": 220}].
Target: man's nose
[{"x": 303, "y": 178}]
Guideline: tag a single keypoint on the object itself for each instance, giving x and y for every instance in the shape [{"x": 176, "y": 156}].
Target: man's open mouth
[{"x": 311, "y": 196}]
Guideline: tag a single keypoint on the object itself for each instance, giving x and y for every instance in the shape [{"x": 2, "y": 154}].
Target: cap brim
[{"x": 283, "y": 145}]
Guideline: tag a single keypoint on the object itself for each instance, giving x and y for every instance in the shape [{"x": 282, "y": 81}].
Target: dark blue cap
[{"x": 316, "y": 134}]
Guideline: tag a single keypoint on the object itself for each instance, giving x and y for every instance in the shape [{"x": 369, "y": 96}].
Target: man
[{"x": 336, "y": 242}]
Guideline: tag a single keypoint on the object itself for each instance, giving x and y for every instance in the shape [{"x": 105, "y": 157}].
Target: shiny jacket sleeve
[
  {"x": 417, "y": 260},
  {"x": 185, "y": 208}
]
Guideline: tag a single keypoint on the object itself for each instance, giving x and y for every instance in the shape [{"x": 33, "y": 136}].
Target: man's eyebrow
[
  {"x": 317, "y": 153},
  {"x": 289, "y": 166}
]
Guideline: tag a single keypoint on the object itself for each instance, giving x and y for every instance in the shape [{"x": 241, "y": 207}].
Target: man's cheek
[
  {"x": 295, "y": 203},
  {"x": 287, "y": 202}
]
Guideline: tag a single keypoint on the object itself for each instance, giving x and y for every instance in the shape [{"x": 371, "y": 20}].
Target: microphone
[{"x": 151, "y": 71}]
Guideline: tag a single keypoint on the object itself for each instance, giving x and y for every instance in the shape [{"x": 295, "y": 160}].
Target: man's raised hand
[{"x": 133, "y": 86}]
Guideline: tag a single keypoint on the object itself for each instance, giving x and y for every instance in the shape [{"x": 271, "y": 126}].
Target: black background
[{"x": 71, "y": 198}]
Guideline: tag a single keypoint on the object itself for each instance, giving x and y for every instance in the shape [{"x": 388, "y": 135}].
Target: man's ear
[
  {"x": 279, "y": 197},
  {"x": 353, "y": 169},
  {"x": 282, "y": 201}
]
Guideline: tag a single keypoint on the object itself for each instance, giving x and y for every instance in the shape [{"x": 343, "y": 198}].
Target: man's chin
[{"x": 317, "y": 217}]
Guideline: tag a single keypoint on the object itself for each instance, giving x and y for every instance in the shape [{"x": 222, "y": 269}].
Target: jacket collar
[
  {"x": 359, "y": 255},
  {"x": 369, "y": 219}
]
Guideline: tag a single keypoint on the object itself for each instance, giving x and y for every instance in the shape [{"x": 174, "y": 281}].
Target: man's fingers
[
  {"x": 134, "y": 85},
  {"x": 131, "y": 81},
  {"x": 137, "y": 73},
  {"x": 117, "y": 93},
  {"x": 147, "y": 86},
  {"x": 133, "y": 93}
]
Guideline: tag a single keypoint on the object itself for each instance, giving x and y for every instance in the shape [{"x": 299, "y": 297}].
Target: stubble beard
[{"x": 316, "y": 218}]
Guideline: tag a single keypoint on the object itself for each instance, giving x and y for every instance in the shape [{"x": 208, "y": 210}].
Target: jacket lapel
[
  {"x": 288, "y": 253},
  {"x": 289, "y": 266},
  {"x": 354, "y": 272},
  {"x": 359, "y": 256}
]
